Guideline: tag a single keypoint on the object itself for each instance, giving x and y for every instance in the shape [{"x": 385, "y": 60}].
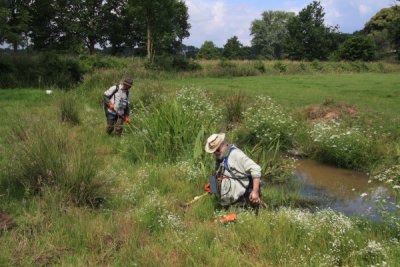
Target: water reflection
[{"x": 340, "y": 189}]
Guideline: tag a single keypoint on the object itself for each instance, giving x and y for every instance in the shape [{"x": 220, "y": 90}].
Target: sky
[{"x": 219, "y": 20}]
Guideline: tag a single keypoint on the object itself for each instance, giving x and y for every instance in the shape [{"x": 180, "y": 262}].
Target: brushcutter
[{"x": 195, "y": 199}]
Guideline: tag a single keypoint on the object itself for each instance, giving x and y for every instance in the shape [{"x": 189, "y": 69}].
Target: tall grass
[
  {"x": 233, "y": 109},
  {"x": 69, "y": 108},
  {"x": 168, "y": 130},
  {"x": 48, "y": 155}
]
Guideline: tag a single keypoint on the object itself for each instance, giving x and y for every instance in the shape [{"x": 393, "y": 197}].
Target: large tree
[
  {"x": 382, "y": 27},
  {"x": 357, "y": 47},
  {"x": 90, "y": 15},
  {"x": 269, "y": 33},
  {"x": 232, "y": 48},
  {"x": 308, "y": 37},
  {"x": 14, "y": 19},
  {"x": 394, "y": 31},
  {"x": 208, "y": 50},
  {"x": 55, "y": 25},
  {"x": 165, "y": 23}
]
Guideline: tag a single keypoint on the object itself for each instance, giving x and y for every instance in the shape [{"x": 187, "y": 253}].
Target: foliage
[
  {"x": 41, "y": 70},
  {"x": 232, "y": 48},
  {"x": 269, "y": 33},
  {"x": 357, "y": 48},
  {"x": 163, "y": 24},
  {"x": 308, "y": 37},
  {"x": 208, "y": 50},
  {"x": 142, "y": 224},
  {"x": 167, "y": 130},
  {"x": 14, "y": 20},
  {"x": 267, "y": 123},
  {"x": 281, "y": 67},
  {"x": 394, "y": 31},
  {"x": 380, "y": 27},
  {"x": 173, "y": 63},
  {"x": 72, "y": 26},
  {"x": 344, "y": 147}
]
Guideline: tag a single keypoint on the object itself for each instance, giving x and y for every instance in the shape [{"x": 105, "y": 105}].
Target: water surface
[{"x": 350, "y": 192}]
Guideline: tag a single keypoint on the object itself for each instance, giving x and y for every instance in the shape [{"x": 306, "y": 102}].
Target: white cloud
[
  {"x": 218, "y": 20},
  {"x": 363, "y": 9}
]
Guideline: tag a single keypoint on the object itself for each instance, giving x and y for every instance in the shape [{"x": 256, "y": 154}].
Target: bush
[
  {"x": 358, "y": 47},
  {"x": 316, "y": 65},
  {"x": 259, "y": 65},
  {"x": 172, "y": 63},
  {"x": 39, "y": 70},
  {"x": 281, "y": 67}
]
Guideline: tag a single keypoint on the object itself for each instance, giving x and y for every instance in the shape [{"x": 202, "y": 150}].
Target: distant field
[{"x": 375, "y": 91}]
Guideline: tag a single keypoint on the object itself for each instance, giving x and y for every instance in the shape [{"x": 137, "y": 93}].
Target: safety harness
[{"x": 248, "y": 188}]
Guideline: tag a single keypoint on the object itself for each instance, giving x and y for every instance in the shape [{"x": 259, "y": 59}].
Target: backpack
[
  {"x": 103, "y": 103},
  {"x": 231, "y": 189}
]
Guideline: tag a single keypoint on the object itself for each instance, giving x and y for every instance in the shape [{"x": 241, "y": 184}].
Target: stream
[{"x": 347, "y": 191}]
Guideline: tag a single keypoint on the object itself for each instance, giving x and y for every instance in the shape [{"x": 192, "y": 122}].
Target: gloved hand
[
  {"x": 111, "y": 106},
  {"x": 127, "y": 119},
  {"x": 207, "y": 188}
]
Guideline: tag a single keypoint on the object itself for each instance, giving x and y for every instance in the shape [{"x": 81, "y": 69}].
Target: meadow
[{"x": 80, "y": 197}]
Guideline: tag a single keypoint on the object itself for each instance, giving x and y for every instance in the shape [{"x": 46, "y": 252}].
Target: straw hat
[{"x": 214, "y": 141}]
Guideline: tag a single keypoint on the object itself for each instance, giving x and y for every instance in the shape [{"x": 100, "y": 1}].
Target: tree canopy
[
  {"x": 308, "y": 37},
  {"x": 269, "y": 33},
  {"x": 208, "y": 50},
  {"x": 73, "y": 25}
]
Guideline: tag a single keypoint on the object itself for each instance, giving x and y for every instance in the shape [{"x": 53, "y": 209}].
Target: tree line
[
  {"x": 284, "y": 35},
  {"x": 158, "y": 27}
]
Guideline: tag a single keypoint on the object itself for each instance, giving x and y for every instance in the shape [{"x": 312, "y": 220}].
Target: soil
[{"x": 329, "y": 110}]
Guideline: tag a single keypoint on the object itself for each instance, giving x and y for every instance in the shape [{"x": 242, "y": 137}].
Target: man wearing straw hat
[
  {"x": 237, "y": 177},
  {"x": 116, "y": 106}
]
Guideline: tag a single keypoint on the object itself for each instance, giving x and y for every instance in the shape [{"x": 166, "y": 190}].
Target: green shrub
[
  {"x": 259, "y": 65},
  {"x": 316, "y": 65},
  {"x": 40, "y": 70},
  {"x": 358, "y": 47},
  {"x": 172, "y": 63},
  {"x": 281, "y": 67},
  {"x": 359, "y": 66}
]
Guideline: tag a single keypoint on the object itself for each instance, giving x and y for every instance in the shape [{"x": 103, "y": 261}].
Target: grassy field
[
  {"x": 378, "y": 92},
  {"x": 79, "y": 197}
]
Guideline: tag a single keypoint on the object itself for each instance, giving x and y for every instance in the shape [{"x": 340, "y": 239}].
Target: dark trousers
[{"x": 114, "y": 123}]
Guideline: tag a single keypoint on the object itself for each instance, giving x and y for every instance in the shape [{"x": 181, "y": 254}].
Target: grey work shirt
[
  {"x": 120, "y": 100},
  {"x": 241, "y": 166}
]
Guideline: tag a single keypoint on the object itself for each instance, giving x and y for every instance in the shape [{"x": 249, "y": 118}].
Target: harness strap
[{"x": 233, "y": 176}]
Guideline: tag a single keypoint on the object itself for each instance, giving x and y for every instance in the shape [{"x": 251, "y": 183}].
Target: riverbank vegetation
[{"x": 78, "y": 196}]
